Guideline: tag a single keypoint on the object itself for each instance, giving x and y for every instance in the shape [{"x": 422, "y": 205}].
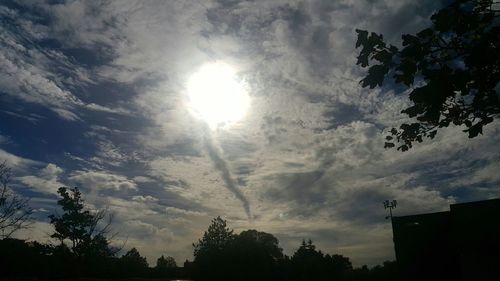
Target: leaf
[
  {"x": 389, "y": 145},
  {"x": 409, "y": 39},
  {"x": 376, "y": 75},
  {"x": 426, "y": 33},
  {"x": 383, "y": 56},
  {"x": 443, "y": 20},
  {"x": 362, "y": 37},
  {"x": 444, "y": 123},
  {"x": 487, "y": 120},
  {"x": 450, "y": 68},
  {"x": 376, "y": 40},
  {"x": 413, "y": 111},
  {"x": 403, "y": 148},
  {"x": 363, "y": 59},
  {"x": 475, "y": 130},
  {"x": 405, "y": 72}
]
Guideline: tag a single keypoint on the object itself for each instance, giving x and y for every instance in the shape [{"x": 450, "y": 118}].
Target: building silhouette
[{"x": 460, "y": 244}]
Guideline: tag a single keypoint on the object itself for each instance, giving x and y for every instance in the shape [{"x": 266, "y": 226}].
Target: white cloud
[
  {"x": 16, "y": 162},
  {"x": 95, "y": 180},
  {"x": 41, "y": 76},
  {"x": 47, "y": 180},
  {"x": 147, "y": 198},
  {"x": 142, "y": 179}
]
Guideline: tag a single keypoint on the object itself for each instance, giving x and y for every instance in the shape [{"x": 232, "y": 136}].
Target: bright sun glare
[{"x": 216, "y": 95}]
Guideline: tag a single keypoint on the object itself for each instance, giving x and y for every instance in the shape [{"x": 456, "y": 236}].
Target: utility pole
[{"x": 390, "y": 205}]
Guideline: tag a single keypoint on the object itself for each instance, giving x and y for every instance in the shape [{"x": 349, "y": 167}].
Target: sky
[{"x": 94, "y": 94}]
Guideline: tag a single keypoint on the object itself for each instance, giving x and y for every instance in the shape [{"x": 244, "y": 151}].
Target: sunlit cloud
[{"x": 216, "y": 95}]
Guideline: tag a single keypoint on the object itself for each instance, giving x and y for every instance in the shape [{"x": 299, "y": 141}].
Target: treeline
[
  {"x": 219, "y": 255},
  {"x": 253, "y": 255},
  {"x": 83, "y": 249},
  {"x": 32, "y": 260}
]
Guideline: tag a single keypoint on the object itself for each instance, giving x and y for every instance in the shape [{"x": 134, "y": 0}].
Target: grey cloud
[
  {"x": 221, "y": 165},
  {"x": 305, "y": 188},
  {"x": 341, "y": 114}
]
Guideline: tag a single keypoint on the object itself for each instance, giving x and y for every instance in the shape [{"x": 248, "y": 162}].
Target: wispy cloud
[
  {"x": 221, "y": 165},
  {"x": 306, "y": 161}
]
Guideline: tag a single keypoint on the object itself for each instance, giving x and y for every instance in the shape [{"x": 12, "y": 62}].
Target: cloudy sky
[{"x": 94, "y": 94}]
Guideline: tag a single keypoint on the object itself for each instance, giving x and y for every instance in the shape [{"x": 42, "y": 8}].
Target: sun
[{"x": 216, "y": 95}]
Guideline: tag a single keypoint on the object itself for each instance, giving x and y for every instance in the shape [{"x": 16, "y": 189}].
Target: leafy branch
[{"x": 452, "y": 69}]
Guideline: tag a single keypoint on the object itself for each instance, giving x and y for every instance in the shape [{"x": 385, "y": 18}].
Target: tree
[
  {"x": 308, "y": 263},
  {"x": 168, "y": 262},
  {"x": 165, "y": 266},
  {"x": 338, "y": 266},
  {"x": 217, "y": 238},
  {"x": 212, "y": 253},
  {"x": 15, "y": 212},
  {"x": 256, "y": 255},
  {"x": 452, "y": 69},
  {"x": 132, "y": 264},
  {"x": 81, "y": 226}
]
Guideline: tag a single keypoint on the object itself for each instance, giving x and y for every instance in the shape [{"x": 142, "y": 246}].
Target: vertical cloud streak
[{"x": 221, "y": 166}]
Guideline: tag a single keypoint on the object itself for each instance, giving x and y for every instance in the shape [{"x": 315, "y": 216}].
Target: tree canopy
[
  {"x": 80, "y": 225},
  {"x": 217, "y": 238},
  {"x": 256, "y": 255},
  {"x": 310, "y": 264},
  {"x": 212, "y": 252},
  {"x": 165, "y": 266},
  {"x": 452, "y": 69},
  {"x": 165, "y": 262},
  {"x": 256, "y": 249},
  {"x": 133, "y": 264}
]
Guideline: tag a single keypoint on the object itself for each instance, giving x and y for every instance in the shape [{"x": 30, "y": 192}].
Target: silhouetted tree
[
  {"x": 387, "y": 271},
  {"x": 452, "y": 69},
  {"x": 80, "y": 226},
  {"x": 165, "y": 266},
  {"x": 216, "y": 238},
  {"x": 361, "y": 274},
  {"x": 256, "y": 255},
  {"x": 187, "y": 271},
  {"x": 168, "y": 262},
  {"x": 19, "y": 258},
  {"x": 15, "y": 212},
  {"x": 307, "y": 263},
  {"x": 132, "y": 264},
  {"x": 338, "y": 266},
  {"x": 212, "y": 252}
]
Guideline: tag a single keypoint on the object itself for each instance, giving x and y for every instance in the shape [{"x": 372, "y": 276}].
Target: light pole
[{"x": 390, "y": 205}]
